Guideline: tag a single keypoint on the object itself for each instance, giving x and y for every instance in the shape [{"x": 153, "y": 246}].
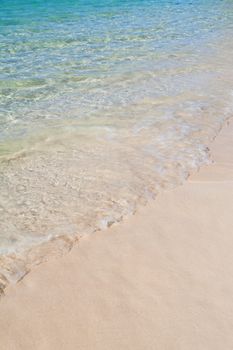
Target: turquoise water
[
  {"x": 58, "y": 58},
  {"x": 102, "y": 105}
]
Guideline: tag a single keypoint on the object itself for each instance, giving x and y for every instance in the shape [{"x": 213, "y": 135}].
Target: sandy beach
[{"x": 162, "y": 279}]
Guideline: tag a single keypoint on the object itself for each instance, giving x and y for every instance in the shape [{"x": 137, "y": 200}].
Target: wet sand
[{"x": 162, "y": 279}]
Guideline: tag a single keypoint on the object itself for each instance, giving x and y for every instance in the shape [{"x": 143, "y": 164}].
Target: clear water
[{"x": 102, "y": 105}]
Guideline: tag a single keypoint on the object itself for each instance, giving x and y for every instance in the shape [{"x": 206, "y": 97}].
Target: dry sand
[{"x": 163, "y": 279}]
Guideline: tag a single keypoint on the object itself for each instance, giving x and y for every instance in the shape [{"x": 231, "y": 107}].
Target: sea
[{"x": 103, "y": 105}]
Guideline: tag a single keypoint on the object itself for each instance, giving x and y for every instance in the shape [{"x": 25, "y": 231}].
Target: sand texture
[{"x": 162, "y": 279}]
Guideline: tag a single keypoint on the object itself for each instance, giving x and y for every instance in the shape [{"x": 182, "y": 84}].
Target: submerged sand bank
[{"x": 163, "y": 279}]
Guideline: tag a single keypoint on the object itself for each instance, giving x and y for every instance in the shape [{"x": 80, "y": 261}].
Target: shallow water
[{"x": 102, "y": 105}]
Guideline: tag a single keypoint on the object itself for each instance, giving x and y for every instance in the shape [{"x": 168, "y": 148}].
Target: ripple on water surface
[{"x": 101, "y": 107}]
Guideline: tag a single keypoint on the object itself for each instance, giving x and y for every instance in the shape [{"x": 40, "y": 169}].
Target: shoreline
[
  {"x": 160, "y": 279},
  {"x": 17, "y": 264}
]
